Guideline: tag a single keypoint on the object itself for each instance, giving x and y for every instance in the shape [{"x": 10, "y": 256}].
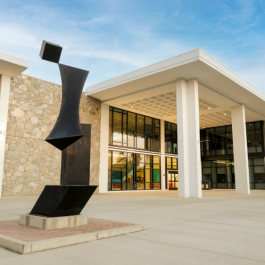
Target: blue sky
[{"x": 112, "y": 37}]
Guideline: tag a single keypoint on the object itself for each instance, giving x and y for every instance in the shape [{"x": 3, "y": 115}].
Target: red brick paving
[{"x": 15, "y": 230}]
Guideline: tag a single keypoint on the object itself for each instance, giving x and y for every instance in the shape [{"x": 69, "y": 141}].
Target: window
[
  {"x": 222, "y": 173},
  {"x": 254, "y": 137},
  {"x": 171, "y": 163},
  {"x": 133, "y": 130},
  {"x": 218, "y": 141},
  {"x": 171, "y": 139},
  {"x": 133, "y": 171}
]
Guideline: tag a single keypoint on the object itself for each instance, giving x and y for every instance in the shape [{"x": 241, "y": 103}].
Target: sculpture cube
[{"x": 50, "y": 52}]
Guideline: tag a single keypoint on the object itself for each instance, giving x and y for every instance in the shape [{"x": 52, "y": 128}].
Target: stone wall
[{"x": 30, "y": 162}]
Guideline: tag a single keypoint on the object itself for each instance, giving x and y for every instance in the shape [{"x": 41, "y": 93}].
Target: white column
[
  {"x": 183, "y": 146},
  {"x": 189, "y": 158},
  {"x": 104, "y": 144},
  {"x": 240, "y": 149},
  {"x": 162, "y": 140},
  {"x": 4, "y": 103},
  {"x": 194, "y": 139}
]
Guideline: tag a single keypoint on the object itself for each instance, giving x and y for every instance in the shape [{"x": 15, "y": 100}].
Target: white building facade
[
  {"x": 169, "y": 126},
  {"x": 177, "y": 122}
]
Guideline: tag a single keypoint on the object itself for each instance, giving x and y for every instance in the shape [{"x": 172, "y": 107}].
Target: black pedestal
[
  {"x": 56, "y": 201},
  {"x": 75, "y": 167}
]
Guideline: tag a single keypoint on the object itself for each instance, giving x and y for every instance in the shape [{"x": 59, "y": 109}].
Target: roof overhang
[
  {"x": 12, "y": 66},
  {"x": 219, "y": 88}
]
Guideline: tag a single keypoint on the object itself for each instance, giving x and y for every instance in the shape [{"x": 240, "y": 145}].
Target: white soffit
[
  {"x": 219, "y": 88},
  {"x": 12, "y": 66}
]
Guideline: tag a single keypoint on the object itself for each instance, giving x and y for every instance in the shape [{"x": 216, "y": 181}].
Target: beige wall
[{"x": 30, "y": 162}]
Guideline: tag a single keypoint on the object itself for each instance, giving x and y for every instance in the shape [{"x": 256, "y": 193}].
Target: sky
[{"x": 113, "y": 37}]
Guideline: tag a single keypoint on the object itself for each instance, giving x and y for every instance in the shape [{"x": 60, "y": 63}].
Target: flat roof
[
  {"x": 220, "y": 89},
  {"x": 12, "y": 66}
]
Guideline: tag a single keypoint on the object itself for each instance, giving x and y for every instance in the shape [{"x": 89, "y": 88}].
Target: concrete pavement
[{"x": 221, "y": 228}]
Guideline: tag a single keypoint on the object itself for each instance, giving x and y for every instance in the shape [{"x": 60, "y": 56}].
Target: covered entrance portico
[{"x": 194, "y": 91}]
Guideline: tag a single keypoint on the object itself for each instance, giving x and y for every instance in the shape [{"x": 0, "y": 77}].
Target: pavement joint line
[
  {"x": 212, "y": 252},
  {"x": 247, "y": 226},
  {"x": 199, "y": 220},
  {"x": 10, "y": 213}
]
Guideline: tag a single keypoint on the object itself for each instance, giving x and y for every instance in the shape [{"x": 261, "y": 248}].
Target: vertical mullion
[
  {"x": 214, "y": 140},
  {"x": 160, "y": 142},
  {"x": 165, "y": 173},
  {"x": 160, "y": 169},
  {"x": 165, "y": 128},
  {"x": 135, "y": 138},
  {"x": 204, "y": 142},
  {"x": 262, "y": 135},
  {"x": 225, "y": 142},
  {"x": 171, "y": 139},
  {"x": 253, "y": 173},
  {"x": 112, "y": 132},
  {"x": 126, "y": 169},
  {"x": 254, "y": 130},
  {"x": 153, "y": 133},
  {"x": 122, "y": 128},
  {"x": 144, "y": 135},
  {"x": 144, "y": 170},
  {"x": 127, "y": 118},
  {"x": 111, "y": 170}
]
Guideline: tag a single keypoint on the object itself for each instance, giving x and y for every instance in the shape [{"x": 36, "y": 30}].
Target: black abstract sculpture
[{"x": 65, "y": 200}]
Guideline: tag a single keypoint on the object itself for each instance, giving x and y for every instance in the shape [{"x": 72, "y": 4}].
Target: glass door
[{"x": 173, "y": 179}]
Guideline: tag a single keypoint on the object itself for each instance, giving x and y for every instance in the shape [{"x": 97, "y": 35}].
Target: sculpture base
[
  {"x": 67, "y": 200},
  {"x": 25, "y": 240},
  {"x": 45, "y": 223}
]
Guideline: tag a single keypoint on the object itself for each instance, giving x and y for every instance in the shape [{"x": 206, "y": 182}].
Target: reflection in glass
[
  {"x": 119, "y": 161},
  {"x": 117, "y": 127},
  {"x": 221, "y": 173},
  {"x": 130, "y": 171},
  {"x": 171, "y": 141},
  {"x": 219, "y": 140},
  {"x": 133, "y": 130}
]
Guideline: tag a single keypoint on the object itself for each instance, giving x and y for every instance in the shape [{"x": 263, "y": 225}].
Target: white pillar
[
  {"x": 4, "y": 102},
  {"x": 194, "y": 139},
  {"x": 163, "y": 169},
  {"x": 240, "y": 149},
  {"x": 189, "y": 158},
  {"x": 104, "y": 144},
  {"x": 183, "y": 146}
]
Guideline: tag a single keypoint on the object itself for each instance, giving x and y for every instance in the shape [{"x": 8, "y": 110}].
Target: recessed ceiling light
[
  {"x": 209, "y": 108},
  {"x": 224, "y": 113},
  {"x": 131, "y": 106}
]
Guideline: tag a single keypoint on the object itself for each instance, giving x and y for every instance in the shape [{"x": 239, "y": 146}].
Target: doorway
[{"x": 173, "y": 179}]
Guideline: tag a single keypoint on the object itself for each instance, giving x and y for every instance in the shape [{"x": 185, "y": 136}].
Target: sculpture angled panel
[{"x": 67, "y": 128}]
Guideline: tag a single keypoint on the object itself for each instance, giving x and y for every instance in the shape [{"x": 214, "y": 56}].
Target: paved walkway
[{"x": 222, "y": 228}]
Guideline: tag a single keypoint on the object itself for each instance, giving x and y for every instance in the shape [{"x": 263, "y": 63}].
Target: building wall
[{"x": 30, "y": 162}]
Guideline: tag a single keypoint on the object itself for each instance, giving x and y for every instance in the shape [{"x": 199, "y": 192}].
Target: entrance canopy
[{"x": 151, "y": 90}]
